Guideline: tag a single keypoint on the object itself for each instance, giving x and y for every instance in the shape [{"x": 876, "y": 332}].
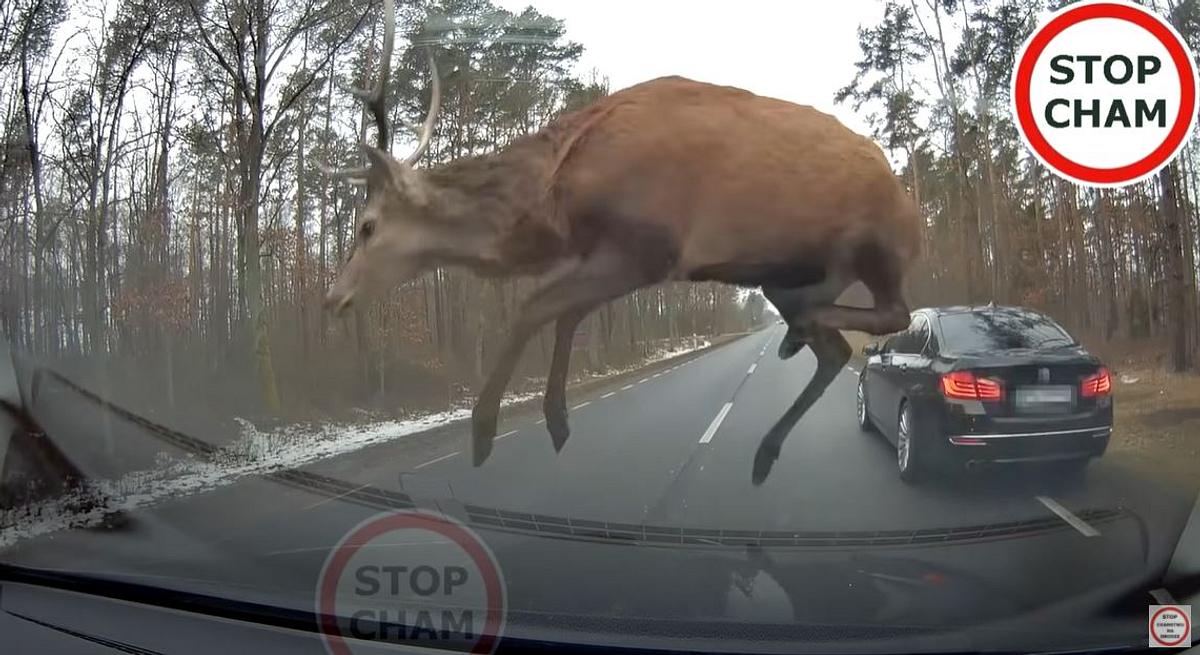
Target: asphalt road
[
  {"x": 676, "y": 447},
  {"x": 672, "y": 447}
]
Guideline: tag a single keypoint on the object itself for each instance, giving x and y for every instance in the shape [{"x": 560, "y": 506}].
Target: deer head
[{"x": 393, "y": 234}]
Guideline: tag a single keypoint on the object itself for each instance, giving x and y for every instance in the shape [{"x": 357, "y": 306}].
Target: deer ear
[{"x": 388, "y": 172}]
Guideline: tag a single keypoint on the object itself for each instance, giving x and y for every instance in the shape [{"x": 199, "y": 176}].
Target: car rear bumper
[
  {"x": 980, "y": 439},
  {"x": 1041, "y": 446}
]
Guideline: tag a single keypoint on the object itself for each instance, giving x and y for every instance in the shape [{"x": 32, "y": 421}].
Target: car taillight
[
  {"x": 965, "y": 385},
  {"x": 1099, "y": 384}
]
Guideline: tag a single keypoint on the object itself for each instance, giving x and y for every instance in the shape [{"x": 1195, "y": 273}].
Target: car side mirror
[{"x": 870, "y": 350}]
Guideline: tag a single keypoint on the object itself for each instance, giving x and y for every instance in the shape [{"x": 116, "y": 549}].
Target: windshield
[
  {"x": 982, "y": 331},
  {"x": 461, "y": 323}
]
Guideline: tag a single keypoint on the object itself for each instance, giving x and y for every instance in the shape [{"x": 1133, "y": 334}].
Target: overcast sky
[{"x": 797, "y": 50}]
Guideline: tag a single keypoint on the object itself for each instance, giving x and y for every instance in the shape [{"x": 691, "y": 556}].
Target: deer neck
[{"x": 494, "y": 209}]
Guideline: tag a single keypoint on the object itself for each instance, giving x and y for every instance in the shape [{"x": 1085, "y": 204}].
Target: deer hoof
[
  {"x": 764, "y": 459},
  {"x": 790, "y": 345},
  {"x": 559, "y": 429},
  {"x": 483, "y": 430}
]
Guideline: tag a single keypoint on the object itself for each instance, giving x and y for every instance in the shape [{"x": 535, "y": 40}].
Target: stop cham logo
[
  {"x": 1104, "y": 93},
  {"x": 411, "y": 577}
]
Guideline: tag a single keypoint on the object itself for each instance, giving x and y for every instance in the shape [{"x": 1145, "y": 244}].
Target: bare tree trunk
[{"x": 1175, "y": 306}]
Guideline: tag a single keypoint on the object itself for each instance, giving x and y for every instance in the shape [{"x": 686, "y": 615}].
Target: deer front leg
[
  {"x": 554, "y": 406},
  {"x": 603, "y": 276},
  {"x": 832, "y": 352}
]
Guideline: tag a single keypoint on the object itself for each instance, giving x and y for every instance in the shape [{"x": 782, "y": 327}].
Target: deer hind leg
[
  {"x": 832, "y": 352},
  {"x": 796, "y": 304},
  {"x": 882, "y": 275},
  {"x": 554, "y": 406},
  {"x": 604, "y": 275},
  {"x": 791, "y": 304}
]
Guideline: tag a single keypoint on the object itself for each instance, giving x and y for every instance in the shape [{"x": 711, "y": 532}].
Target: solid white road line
[
  {"x": 1066, "y": 515},
  {"x": 326, "y": 500},
  {"x": 435, "y": 461},
  {"x": 581, "y": 405},
  {"x": 608, "y": 395},
  {"x": 716, "y": 423},
  {"x": 752, "y": 367}
]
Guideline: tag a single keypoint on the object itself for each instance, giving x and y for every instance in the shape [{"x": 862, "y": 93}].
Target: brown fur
[
  {"x": 732, "y": 179},
  {"x": 669, "y": 179}
]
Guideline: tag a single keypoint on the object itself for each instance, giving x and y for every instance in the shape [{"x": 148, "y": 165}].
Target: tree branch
[
  {"x": 300, "y": 90},
  {"x": 238, "y": 79}
]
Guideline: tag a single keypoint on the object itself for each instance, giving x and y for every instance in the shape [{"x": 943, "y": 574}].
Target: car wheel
[
  {"x": 864, "y": 420},
  {"x": 910, "y": 457}
]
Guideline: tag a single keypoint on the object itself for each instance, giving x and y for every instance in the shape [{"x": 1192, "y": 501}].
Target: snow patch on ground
[{"x": 255, "y": 452}]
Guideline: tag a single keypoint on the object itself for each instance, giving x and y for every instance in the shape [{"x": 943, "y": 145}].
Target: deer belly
[{"x": 759, "y": 273}]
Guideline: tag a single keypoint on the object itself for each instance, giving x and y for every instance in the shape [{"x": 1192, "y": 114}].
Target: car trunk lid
[{"x": 1034, "y": 382}]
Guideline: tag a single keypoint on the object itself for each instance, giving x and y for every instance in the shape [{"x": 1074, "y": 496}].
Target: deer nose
[{"x": 338, "y": 303}]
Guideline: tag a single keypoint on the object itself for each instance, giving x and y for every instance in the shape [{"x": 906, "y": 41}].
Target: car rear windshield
[{"x": 1000, "y": 330}]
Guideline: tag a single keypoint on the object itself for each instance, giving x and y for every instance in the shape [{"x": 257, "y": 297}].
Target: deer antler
[
  {"x": 425, "y": 133},
  {"x": 356, "y": 176},
  {"x": 374, "y": 99}
]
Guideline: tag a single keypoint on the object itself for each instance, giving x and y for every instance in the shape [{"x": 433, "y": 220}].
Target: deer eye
[{"x": 367, "y": 229}]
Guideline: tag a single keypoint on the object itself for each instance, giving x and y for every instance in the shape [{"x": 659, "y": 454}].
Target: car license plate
[{"x": 1042, "y": 397}]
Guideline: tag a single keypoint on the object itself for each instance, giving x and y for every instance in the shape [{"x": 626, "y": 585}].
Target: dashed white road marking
[
  {"x": 507, "y": 434},
  {"x": 608, "y": 395},
  {"x": 627, "y": 387},
  {"x": 435, "y": 460},
  {"x": 1163, "y": 597},
  {"x": 1066, "y": 515},
  {"x": 581, "y": 405},
  {"x": 643, "y": 380},
  {"x": 342, "y": 495},
  {"x": 752, "y": 368},
  {"x": 716, "y": 423},
  {"x": 656, "y": 375},
  {"x": 851, "y": 369},
  {"x": 539, "y": 421}
]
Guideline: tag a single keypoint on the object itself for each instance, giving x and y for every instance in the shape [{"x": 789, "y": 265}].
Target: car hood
[{"x": 668, "y": 587}]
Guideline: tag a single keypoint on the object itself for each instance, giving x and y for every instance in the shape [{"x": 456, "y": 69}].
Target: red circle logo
[
  {"x": 1104, "y": 93},
  {"x": 1170, "y": 626},
  {"x": 411, "y": 577}
]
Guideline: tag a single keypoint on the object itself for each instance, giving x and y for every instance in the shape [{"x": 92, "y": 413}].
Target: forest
[
  {"x": 1116, "y": 266},
  {"x": 167, "y": 231}
]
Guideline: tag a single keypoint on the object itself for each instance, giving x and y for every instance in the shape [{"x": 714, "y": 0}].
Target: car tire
[
  {"x": 864, "y": 418},
  {"x": 910, "y": 452}
]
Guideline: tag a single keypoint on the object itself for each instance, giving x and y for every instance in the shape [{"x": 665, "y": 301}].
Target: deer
[{"x": 667, "y": 180}]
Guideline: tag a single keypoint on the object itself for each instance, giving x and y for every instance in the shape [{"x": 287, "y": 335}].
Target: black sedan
[{"x": 972, "y": 385}]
